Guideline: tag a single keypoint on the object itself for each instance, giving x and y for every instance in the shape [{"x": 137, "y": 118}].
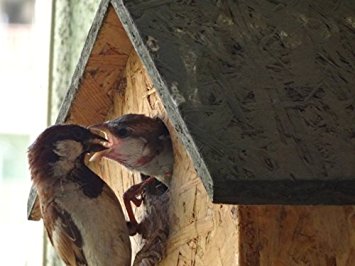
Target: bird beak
[
  {"x": 97, "y": 143},
  {"x": 100, "y": 142}
]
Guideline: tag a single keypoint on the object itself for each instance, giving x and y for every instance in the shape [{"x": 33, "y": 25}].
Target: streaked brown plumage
[
  {"x": 139, "y": 143},
  {"x": 81, "y": 214}
]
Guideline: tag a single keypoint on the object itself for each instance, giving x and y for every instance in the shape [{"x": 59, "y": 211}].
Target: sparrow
[
  {"x": 81, "y": 214},
  {"x": 142, "y": 144}
]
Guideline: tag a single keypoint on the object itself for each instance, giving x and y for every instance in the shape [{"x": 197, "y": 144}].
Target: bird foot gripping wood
[
  {"x": 154, "y": 226},
  {"x": 135, "y": 194}
]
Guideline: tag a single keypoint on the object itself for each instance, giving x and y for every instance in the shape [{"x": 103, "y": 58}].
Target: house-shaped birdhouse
[{"x": 260, "y": 108}]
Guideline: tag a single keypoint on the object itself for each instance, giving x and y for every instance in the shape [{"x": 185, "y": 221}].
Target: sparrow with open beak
[
  {"x": 139, "y": 143},
  {"x": 81, "y": 214}
]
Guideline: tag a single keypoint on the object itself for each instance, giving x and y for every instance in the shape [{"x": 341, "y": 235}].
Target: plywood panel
[
  {"x": 203, "y": 233},
  {"x": 91, "y": 100},
  {"x": 290, "y": 235},
  {"x": 264, "y": 92},
  {"x": 200, "y": 233}
]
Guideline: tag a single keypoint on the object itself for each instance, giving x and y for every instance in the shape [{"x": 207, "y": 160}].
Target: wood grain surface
[
  {"x": 262, "y": 92},
  {"x": 198, "y": 228}
]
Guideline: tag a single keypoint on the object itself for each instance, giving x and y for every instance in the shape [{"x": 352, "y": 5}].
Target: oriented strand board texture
[
  {"x": 290, "y": 236},
  {"x": 207, "y": 234},
  {"x": 266, "y": 89},
  {"x": 201, "y": 233},
  {"x": 103, "y": 69},
  {"x": 72, "y": 21}
]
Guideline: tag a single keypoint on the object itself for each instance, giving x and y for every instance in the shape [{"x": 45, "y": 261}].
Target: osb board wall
[
  {"x": 207, "y": 234},
  {"x": 201, "y": 233},
  {"x": 292, "y": 235},
  {"x": 72, "y": 22},
  {"x": 103, "y": 69},
  {"x": 272, "y": 81}
]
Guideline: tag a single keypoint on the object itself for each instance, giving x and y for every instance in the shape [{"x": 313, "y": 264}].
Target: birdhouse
[{"x": 260, "y": 108}]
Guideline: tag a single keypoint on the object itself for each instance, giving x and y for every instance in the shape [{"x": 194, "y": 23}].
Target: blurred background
[{"x": 24, "y": 66}]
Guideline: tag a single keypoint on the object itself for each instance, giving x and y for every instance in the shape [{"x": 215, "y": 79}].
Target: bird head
[
  {"x": 131, "y": 138},
  {"x": 62, "y": 143}
]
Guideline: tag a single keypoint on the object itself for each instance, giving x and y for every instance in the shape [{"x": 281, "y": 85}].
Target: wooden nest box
[{"x": 256, "y": 117}]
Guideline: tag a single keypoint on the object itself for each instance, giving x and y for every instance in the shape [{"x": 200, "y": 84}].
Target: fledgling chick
[
  {"x": 81, "y": 214},
  {"x": 139, "y": 143}
]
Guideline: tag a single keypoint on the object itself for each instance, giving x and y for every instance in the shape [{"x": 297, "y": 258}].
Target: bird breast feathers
[
  {"x": 96, "y": 219},
  {"x": 68, "y": 151}
]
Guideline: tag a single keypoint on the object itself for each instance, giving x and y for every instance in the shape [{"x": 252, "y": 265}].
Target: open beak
[
  {"x": 97, "y": 143},
  {"x": 101, "y": 142}
]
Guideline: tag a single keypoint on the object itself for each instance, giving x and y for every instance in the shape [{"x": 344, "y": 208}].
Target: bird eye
[{"x": 123, "y": 132}]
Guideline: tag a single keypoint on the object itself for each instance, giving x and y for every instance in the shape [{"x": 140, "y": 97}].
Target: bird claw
[
  {"x": 133, "y": 228},
  {"x": 137, "y": 201},
  {"x": 134, "y": 194},
  {"x": 131, "y": 196}
]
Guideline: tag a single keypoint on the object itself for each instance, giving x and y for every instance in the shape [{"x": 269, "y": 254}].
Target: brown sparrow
[
  {"x": 139, "y": 143},
  {"x": 81, "y": 214}
]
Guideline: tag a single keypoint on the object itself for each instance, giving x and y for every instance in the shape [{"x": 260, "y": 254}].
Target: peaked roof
[{"x": 261, "y": 94}]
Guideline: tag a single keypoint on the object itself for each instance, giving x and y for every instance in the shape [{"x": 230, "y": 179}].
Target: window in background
[
  {"x": 11, "y": 155},
  {"x": 24, "y": 54}
]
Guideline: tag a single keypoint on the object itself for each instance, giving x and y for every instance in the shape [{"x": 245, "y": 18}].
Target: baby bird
[
  {"x": 82, "y": 216},
  {"x": 139, "y": 143}
]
